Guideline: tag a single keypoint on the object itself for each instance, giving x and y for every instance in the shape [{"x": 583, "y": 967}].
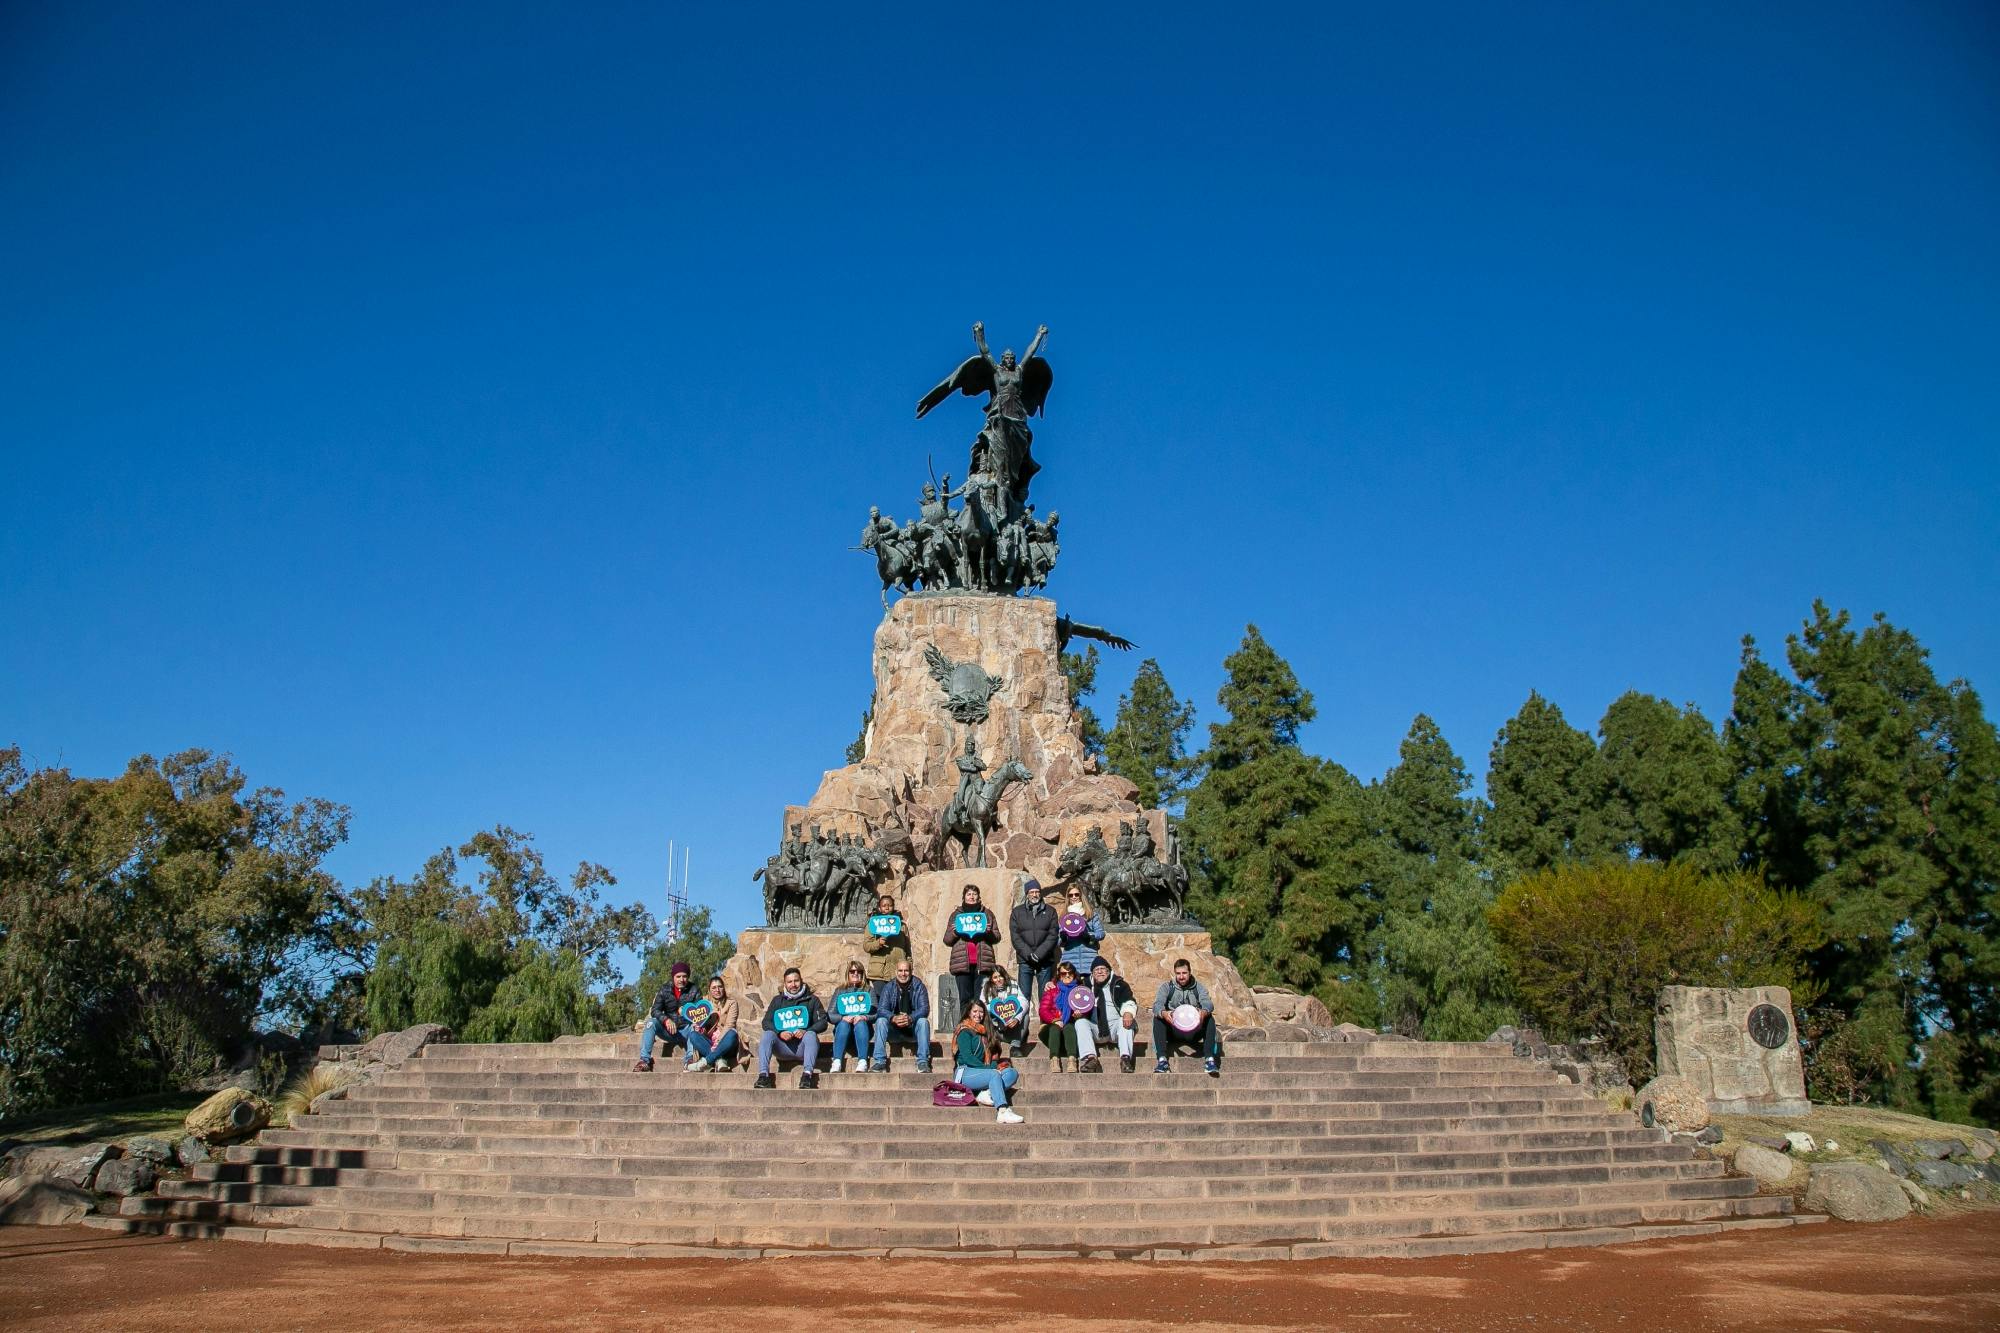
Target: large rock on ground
[
  {"x": 66, "y": 1163},
  {"x": 126, "y": 1175},
  {"x": 1672, "y": 1104},
  {"x": 1855, "y": 1192},
  {"x": 148, "y": 1148},
  {"x": 1763, "y": 1165},
  {"x": 230, "y": 1114},
  {"x": 43, "y": 1201}
]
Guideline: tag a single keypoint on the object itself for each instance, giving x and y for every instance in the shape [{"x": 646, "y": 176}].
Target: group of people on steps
[{"x": 1081, "y": 1005}]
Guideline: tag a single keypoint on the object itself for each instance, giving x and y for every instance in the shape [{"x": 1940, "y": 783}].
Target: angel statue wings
[{"x": 1018, "y": 392}]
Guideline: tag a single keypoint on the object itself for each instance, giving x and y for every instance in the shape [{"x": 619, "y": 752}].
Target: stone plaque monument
[
  {"x": 1739, "y": 1048},
  {"x": 974, "y": 769}
]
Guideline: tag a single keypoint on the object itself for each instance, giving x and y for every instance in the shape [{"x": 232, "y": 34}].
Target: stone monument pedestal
[{"x": 1738, "y": 1047}]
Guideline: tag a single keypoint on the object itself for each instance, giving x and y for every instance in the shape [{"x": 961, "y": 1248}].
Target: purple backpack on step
[{"x": 948, "y": 1093}]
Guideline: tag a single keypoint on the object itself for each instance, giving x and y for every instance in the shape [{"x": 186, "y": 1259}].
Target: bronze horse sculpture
[{"x": 968, "y": 815}]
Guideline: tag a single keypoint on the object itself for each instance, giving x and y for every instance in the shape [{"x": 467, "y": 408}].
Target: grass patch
[
  {"x": 299, "y": 1094},
  {"x": 1852, "y": 1127},
  {"x": 160, "y": 1114}
]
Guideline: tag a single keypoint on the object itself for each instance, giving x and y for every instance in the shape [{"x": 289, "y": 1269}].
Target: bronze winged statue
[
  {"x": 1066, "y": 629},
  {"x": 1018, "y": 391}
]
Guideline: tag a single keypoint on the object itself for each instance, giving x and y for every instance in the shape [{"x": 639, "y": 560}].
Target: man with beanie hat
[
  {"x": 1032, "y": 927},
  {"x": 664, "y": 1024}
]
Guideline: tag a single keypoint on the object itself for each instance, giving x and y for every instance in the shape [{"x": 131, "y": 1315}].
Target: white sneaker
[
  {"x": 1008, "y": 1116},
  {"x": 860, "y": 1066},
  {"x": 723, "y": 1066},
  {"x": 837, "y": 1064},
  {"x": 985, "y": 1097}
]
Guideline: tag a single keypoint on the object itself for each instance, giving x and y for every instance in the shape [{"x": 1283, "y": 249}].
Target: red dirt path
[{"x": 1917, "y": 1274}]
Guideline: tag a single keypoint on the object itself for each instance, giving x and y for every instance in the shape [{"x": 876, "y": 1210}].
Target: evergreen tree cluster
[{"x": 1840, "y": 834}]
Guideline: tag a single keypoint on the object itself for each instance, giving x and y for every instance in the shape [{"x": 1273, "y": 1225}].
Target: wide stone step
[
  {"x": 853, "y": 1228},
  {"x": 1514, "y": 1237},
  {"x": 1251, "y": 1067},
  {"x": 1418, "y": 1193}
]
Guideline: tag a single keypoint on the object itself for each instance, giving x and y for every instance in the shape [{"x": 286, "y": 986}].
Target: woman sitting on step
[
  {"x": 1065, "y": 1033},
  {"x": 853, "y": 1010},
  {"x": 712, "y": 1044},
  {"x": 974, "y": 1050},
  {"x": 1003, "y": 996}
]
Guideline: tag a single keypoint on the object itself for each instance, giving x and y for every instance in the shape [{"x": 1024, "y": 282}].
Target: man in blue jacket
[{"x": 903, "y": 1014}]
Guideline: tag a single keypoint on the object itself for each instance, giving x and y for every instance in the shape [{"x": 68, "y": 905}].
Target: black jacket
[
  {"x": 816, "y": 1020},
  {"x": 1112, "y": 997},
  {"x": 667, "y": 1003},
  {"x": 1033, "y": 928}
]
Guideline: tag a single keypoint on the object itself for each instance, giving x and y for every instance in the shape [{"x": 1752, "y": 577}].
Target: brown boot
[
  {"x": 643, "y": 1066},
  {"x": 1055, "y": 1064}
]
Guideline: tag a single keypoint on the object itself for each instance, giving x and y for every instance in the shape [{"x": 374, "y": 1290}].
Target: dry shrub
[{"x": 303, "y": 1091}]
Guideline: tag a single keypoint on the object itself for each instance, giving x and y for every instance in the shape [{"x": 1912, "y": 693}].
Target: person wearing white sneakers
[
  {"x": 712, "y": 1042},
  {"x": 975, "y": 1048},
  {"x": 853, "y": 1009}
]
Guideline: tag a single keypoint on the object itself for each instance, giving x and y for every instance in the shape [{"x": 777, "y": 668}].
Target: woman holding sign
[
  {"x": 1080, "y": 930},
  {"x": 886, "y": 944},
  {"x": 853, "y": 1019},
  {"x": 1060, "y": 1028},
  {"x": 711, "y": 1029},
  {"x": 971, "y": 932}
]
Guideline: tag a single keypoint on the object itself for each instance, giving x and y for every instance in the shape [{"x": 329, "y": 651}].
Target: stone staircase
[{"x": 1297, "y": 1151}]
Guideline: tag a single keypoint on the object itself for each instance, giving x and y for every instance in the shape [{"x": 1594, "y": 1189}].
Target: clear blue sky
[{"x": 463, "y": 412}]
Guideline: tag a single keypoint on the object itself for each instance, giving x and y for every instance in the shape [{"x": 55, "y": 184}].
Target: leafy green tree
[
  {"x": 1080, "y": 670},
  {"x": 439, "y": 972},
  {"x": 1590, "y": 945},
  {"x": 1547, "y": 786},
  {"x": 1148, "y": 740},
  {"x": 145, "y": 920},
  {"x": 1281, "y": 856},
  {"x": 1436, "y": 967},
  {"x": 1445, "y": 977},
  {"x": 1668, "y": 783},
  {"x": 510, "y": 903},
  {"x": 544, "y": 997}
]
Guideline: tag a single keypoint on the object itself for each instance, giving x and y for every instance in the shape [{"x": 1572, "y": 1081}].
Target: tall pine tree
[
  {"x": 1668, "y": 783},
  {"x": 1437, "y": 969},
  {"x": 1548, "y": 787},
  {"x": 1148, "y": 740},
  {"x": 1279, "y": 847},
  {"x": 1874, "y": 788},
  {"x": 1080, "y": 670}
]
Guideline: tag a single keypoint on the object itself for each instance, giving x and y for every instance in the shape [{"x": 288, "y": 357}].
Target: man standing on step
[
  {"x": 664, "y": 1023},
  {"x": 1116, "y": 1013},
  {"x": 1032, "y": 928},
  {"x": 792, "y": 1024},
  {"x": 1184, "y": 990},
  {"x": 903, "y": 1015}
]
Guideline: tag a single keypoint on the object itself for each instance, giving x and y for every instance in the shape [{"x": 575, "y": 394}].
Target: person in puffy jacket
[
  {"x": 1080, "y": 951},
  {"x": 903, "y": 1016},
  {"x": 1116, "y": 1016},
  {"x": 971, "y": 955},
  {"x": 1031, "y": 928},
  {"x": 801, "y": 1045},
  {"x": 664, "y": 1022},
  {"x": 1063, "y": 1033},
  {"x": 1000, "y": 989}
]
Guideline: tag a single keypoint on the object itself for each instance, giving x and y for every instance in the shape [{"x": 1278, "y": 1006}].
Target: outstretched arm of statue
[
  {"x": 979, "y": 339},
  {"x": 1035, "y": 347}
]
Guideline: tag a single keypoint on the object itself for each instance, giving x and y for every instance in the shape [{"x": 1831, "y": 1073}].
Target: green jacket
[{"x": 971, "y": 1051}]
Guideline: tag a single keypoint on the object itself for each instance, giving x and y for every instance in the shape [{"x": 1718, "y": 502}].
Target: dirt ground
[{"x": 1916, "y": 1274}]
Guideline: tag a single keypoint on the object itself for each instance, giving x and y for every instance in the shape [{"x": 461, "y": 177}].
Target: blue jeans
[
  {"x": 656, "y": 1030},
  {"x": 805, "y": 1050},
  {"x": 722, "y": 1048},
  {"x": 852, "y": 1036},
  {"x": 996, "y": 1081},
  {"x": 919, "y": 1031},
  {"x": 1033, "y": 979}
]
